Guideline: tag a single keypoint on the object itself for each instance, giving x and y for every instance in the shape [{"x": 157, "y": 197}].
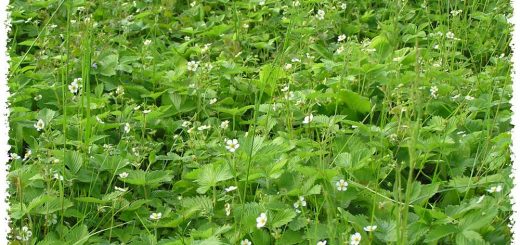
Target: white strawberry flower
[
  {"x": 75, "y": 86},
  {"x": 14, "y": 156},
  {"x": 224, "y": 124},
  {"x": 25, "y": 234},
  {"x": 99, "y": 120},
  {"x": 123, "y": 175},
  {"x": 324, "y": 242},
  {"x": 186, "y": 124},
  {"x": 245, "y": 242},
  {"x": 450, "y": 35},
  {"x": 341, "y": 37},
  {"x": 355, "y": 239},
  {"x": 232, "y": 145},
  {"x": 340, "y": 49},
  {"x": 285, "y": 88},
  {"x": 39, "y": 125},
  {"x": 296, "y": 205},
  {"x": 192, "y": 66},
  {"x": 455, "y": 12},
  {"x": 320, "y": 15},
  {"x": 227, "y": 208},
  {"x": 308, "y": 119},
  {"x": 155, "y": 216},
  {"x": 261, "y": 220},
  {"x": 370, "y": 228},
  {"x": 120, "y": 90},
  {"x": 231, "y": 188},
  {"x": 57, "y": 176},
  {"x": 127, "y": 128},
  {"x": 302, "y": 201},
  {"x": 433, "y": 91},
  {"x": 480, "y": 199},
  {"x": 341, "y": 185},
  {"x": 495, "y": 189},
  {"x": 203, "y": 127},
  {"x": 120, "y": 189},
  {"x": 205, "y": 48},
  {"x": 27, "y": 155}
]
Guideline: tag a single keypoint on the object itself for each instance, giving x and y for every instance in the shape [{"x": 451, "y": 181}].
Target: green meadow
[{"x": 170, "y": 122}]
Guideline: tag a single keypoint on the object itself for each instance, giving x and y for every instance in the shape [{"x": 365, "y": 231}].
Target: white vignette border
[
  {"x": 4, "y": 125},
  {"x": 4, "y": 112}
]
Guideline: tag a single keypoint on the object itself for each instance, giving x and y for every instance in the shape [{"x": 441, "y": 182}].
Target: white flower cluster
[
  {"x": 75, "y": 86},
  {"x": 320, "y": 15},
  {"x": 192, "y": 66},
  {"x": 301, "y": 202},
  {"x": 24, "y": 234}
]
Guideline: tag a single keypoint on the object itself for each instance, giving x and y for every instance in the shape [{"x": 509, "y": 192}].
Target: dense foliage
[{"x": 260, "y": 122}]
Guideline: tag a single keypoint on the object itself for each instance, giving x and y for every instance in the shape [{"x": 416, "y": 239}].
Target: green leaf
[
  {"x": 234, "y": 111},
  {"x": 216, "y": 30},
  {"x": 153, "y": 95},
  {"x": 320, "y": 49},
  {"x": 151, "y": 157},
  {"x": 382, "y": 46},
  {"x": 355, "y": 101},
  {"x": 176, "y": 99},
  {"x": 74, "y": 161},
  {"x": 90, "y": 200},
  {"x": 198, "y": 203},
  {"x": 421, "y": 193},
  {"x": 46, "y": 204},
  {"x": 269, "y": 75},
  {"x": 209, "y": 241},
  {"x": 478, "y": 219},
  {"x": 150, "y": 178},
  {"x": 438, "y": 232},
  {"x": 137, "y": 204},
  {"x": 108, "y": 63},
  {"x": 77, "y": 236},
  {"x": 316, "y": 232},
  {"x": 290, "y": 237},
  {"x": 46, "y": 115},
  {"x": 282, "y": 218},
  {"x": 136, "y": 177},
  {"x": 261, "y": 236},
  {"x": 211, "y": 174},
  {"x": 469, "y": 237},
  {"x": 357, "y": 158}
]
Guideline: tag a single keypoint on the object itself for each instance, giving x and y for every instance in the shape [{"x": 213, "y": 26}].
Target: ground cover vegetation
[{"x": 260, "y": 122}]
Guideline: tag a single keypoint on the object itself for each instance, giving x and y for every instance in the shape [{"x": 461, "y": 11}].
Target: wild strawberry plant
[{"x": 260, "y": 122}]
